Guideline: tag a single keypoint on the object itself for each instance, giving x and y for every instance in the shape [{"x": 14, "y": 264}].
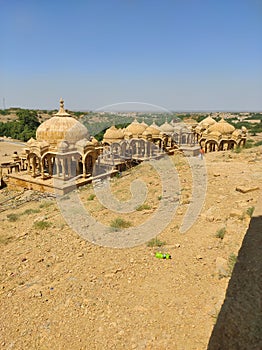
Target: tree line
[{"x": 23, "y": 128}]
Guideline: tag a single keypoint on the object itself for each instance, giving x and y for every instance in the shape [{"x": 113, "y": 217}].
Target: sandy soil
[
  {"x": 7, "y": 148},
  {"x": 59, "y": 291}
]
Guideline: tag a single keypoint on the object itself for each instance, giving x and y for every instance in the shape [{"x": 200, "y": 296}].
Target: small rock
[
  {"x": 199, "y": 257},
  {"x": 177, "y": 245},
  {"x": 210, "y": 218},
  {"x": 236, "y": 213},
  {"x": 38, "y": 294},
  {"x": 221, "y": 267},
  {"x": 245, "y": 189}
]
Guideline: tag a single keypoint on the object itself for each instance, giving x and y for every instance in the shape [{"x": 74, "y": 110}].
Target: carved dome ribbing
[{"x": 61, "y": 127}]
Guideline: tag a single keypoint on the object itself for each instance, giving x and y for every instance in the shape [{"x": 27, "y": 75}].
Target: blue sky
[{"x": 180, "y": 54}]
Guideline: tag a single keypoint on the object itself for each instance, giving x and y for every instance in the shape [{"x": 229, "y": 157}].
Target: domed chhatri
[
  {"x": 222, "y": 126},
  {"x": 208, "y": 121},
  {"x": 218, "y": 136},
  {"x": 61, "y": 127},
  {"x": 167, "y": 128},
  {"x": 113, "y": 134},
  {"x": 61, "y": 149},
  {"x": 136, "y": 128}
]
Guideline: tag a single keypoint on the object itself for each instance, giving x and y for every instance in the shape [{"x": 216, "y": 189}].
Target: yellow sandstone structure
[
  {"x": 63, "y": 155},
  {"x": 219, "y": 136}
]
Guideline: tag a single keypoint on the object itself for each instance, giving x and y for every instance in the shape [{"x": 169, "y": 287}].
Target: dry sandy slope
[
  {"x": 61, "y": 292},
  {"x": 7, "y": 148}
]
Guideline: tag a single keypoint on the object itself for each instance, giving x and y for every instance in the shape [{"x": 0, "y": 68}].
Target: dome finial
[
  {"x": 62, "y": 111},
  {"x": 61, "y": 103}
]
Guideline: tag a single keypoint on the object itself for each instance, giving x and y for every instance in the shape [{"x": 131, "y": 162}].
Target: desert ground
[{"x": 60, "y": 291}]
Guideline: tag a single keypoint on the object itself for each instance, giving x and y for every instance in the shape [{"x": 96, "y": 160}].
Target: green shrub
[
  {"x": 64, "y": 198},
  {"x": 231, "y": 262},
  {"x": 12, "y": 217},
  {"x": 155, "y": 242},
  {"x": 143, "y": 207},
  {"x": 41, "y": 225},
  {"x": 46, "y": 204},
  {"x": 159, "y": 198},
  {"x": 30, "y": 211},
  {"x": 249, "y": 144},
  {"x": 258, "y": 143},
  {"x": 221, "y": 233},
  {"x": 120, "y": 223},
  {"x": 91, "y": 197},
  {"x": 250, "y": 211},
  {"x": 237, "y": 149}
]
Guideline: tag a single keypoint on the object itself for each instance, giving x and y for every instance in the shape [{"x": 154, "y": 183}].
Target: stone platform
[{"x": 53, "y": 185}]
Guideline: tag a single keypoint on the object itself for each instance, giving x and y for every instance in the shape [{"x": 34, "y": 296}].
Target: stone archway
[
  {"x": 34, "y": 164},
  {"x": 211, "y": 146},
  {"x": 88, "y": 164}
]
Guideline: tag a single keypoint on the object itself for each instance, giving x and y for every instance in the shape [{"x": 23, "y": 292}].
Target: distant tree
[
  {"x": 28, "y": 118},
  {"x": 23, "y": 128}
]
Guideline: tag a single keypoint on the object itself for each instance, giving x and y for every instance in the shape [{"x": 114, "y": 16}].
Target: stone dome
[
  {"x": 113, "y": 134},
  {"x": 167, "y": 128},
  {"x": 147, "y": 133},
  {"x": 136, "y": 128},
  {"x": 223, "y": 127},
  {"x": 208, "y": 121},
  {"x": 214, "y": 134},
  {"x": 154, "y": 130},
  {"x": 144, "y": 123},
  {"x": 61, "y": 127},
  {"x": 154, "y": 125}
]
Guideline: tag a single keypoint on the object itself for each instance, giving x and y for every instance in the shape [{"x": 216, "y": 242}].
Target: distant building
[{"x": 219, "y": 136}]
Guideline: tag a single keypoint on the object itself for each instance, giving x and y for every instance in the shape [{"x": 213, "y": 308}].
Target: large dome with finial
[
  {"x": 61, "y": 127},
  {"x": 136, "y": 128},
  {"x": 223, "y": 127}
]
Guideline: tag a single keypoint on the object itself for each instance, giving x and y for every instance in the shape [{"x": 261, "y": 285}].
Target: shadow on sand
[{"x": 239, "y": 323}]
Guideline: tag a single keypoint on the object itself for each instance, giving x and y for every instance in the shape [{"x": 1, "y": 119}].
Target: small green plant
[
  {"x": 258, "y": 143},
  {"x": 41, "y": 225},
  {"x": 250, "y": 211},
  {"x": 249, "y": 144},
  {"x": 214, "y": 316},
  {"x": 221, "y": 233},
  {"x": 91, "y": 197},
  {"x": 64, "y": 198},
  {"x": 159, "y": 198},
  {"x": 119, "y": 223},
  {"x": 30, "y": 211},
  {"x": 231, "y": 262},
  {"x": 155, "y": 242},
  {"x": 12, "y": 217},
  {"x": 143, "y": 207},
  {"x": 237, "y": 149},
  {"x": 46, "y": 204}
]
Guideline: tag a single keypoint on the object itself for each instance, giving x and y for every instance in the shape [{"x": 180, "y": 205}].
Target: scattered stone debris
[{"x": 15, "y": 199}]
